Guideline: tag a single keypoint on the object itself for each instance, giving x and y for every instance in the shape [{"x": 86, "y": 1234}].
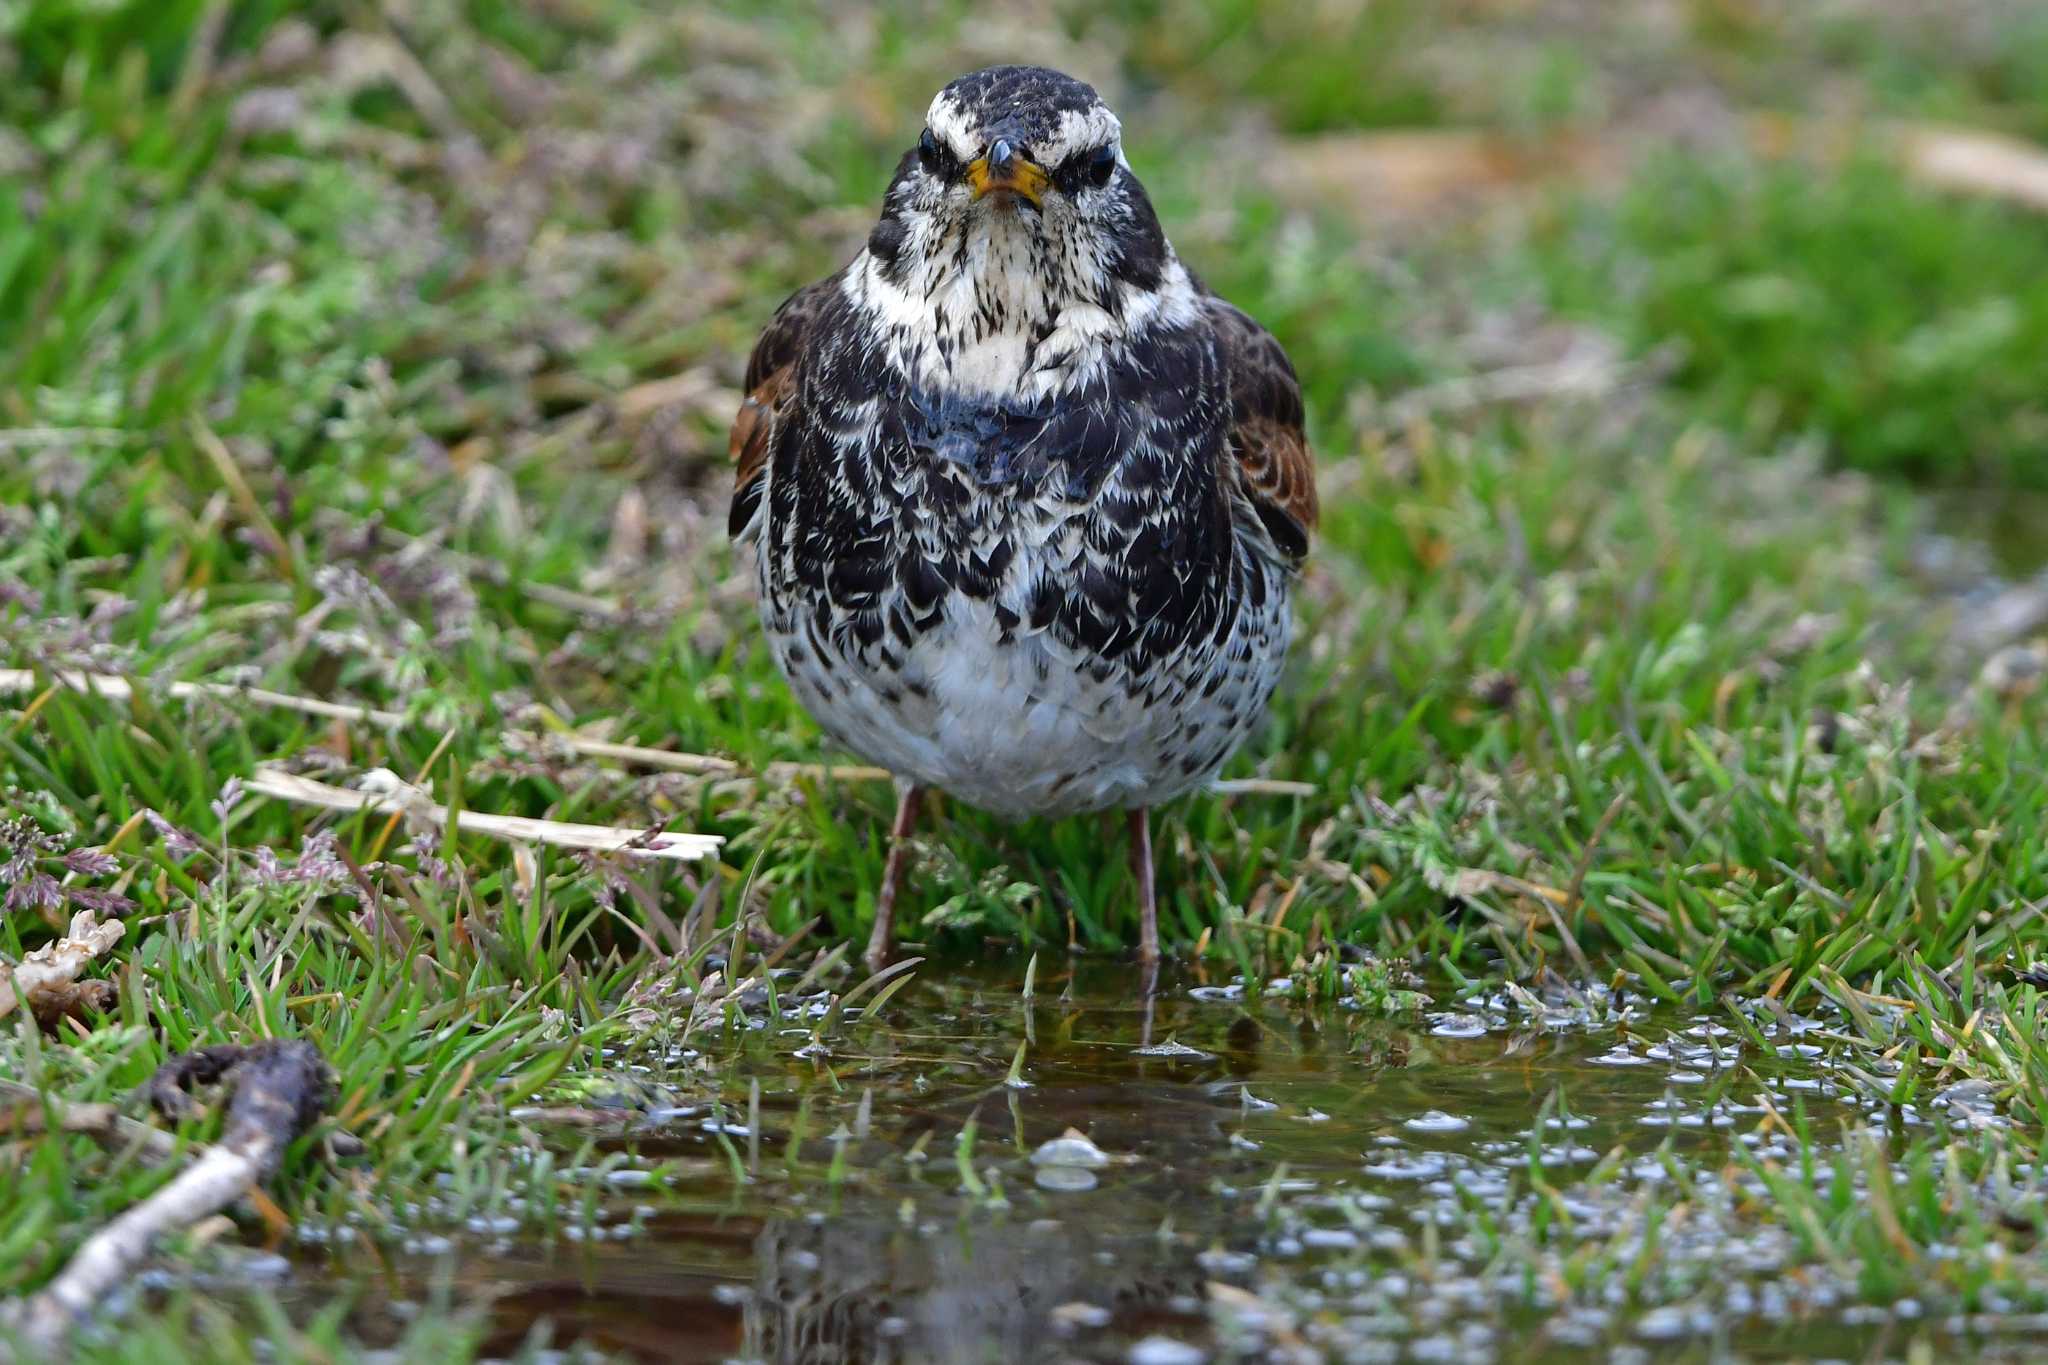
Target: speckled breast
[{"x": 1028, "y": 639}]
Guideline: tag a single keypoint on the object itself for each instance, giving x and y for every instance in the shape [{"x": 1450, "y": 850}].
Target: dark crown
[{"x": 1026, "y": 102}]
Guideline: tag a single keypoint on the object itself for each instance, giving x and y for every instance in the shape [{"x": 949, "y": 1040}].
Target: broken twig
[
  {"x": 280, "y": 1089},
  {"x": 35, "y": 1112}
]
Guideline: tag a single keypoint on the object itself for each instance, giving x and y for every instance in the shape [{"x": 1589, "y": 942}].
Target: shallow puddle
[{"x": 1489, "y": 1178}]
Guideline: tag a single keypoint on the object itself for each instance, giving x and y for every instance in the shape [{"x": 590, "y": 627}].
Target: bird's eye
[
  {"x": 1101, "y": 165},
  {"x": 932, "y": 154},
  {"x": 1091, "y": 166}
]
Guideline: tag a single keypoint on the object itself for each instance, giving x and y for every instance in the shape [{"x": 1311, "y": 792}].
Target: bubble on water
[
  {"x": 1673, "y": 1322},
  {"x": 1580, "y": 1327},
  {"x": 1329, "y": 1239},
  {"x": 1437, "y": 1121},
  {"x": 1078, "y": 1316},
  {"x": 669, "y": 1113},
  {"x": 1173, "y": 1047},
  {"x": 1073, "y": 1149},
  {"x": 1157, "y": 1350},
  {"x": 1970, "y": 1103},
  {"x": 1618, "y": 1056},
  {"x": 263, "y": 1265},
  {"x": 1427, "y": 1167},
  {"x": 1571, "y": 1123},
  {"x": 1217, "y": 1261}
]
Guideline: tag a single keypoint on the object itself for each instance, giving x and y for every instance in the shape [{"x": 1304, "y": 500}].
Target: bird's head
[{"x": 1019, "y": 167}]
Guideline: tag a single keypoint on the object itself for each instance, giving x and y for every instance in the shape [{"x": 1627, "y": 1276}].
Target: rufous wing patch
[
  {"x": 1273, "y": 464},
  {"x": 771, "y": 386}
]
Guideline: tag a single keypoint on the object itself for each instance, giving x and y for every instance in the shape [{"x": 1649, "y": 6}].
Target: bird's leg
[
  {"x": 882, "y": 940},
  {"x": 1148, "y": 896}
]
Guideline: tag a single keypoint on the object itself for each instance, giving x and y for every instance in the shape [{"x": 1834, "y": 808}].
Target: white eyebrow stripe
[
  {"x": 1080, "y": 129},
  {"x": 949, "y": 123}
]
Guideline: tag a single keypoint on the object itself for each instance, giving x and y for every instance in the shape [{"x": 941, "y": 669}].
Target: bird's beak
[{"x": 1004, "y": 168}]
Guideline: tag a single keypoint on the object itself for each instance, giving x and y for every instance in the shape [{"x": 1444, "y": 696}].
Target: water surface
[{"x": 1499, "y": 1177}]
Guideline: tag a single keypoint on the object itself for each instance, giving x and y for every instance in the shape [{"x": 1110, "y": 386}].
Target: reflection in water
[
  {"x": 843, "y": 1289},
  {"x": 1272, "y": 1177}
]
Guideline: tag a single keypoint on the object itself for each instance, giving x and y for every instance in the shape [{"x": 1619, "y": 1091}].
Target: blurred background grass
[{"x": 425, "y": 177}]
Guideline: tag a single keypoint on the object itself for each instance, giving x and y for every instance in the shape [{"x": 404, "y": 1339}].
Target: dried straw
[{"x": 385, "y": 791}]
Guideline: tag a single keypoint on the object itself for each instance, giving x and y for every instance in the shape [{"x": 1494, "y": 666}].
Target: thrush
[{"x": 1027, "y": 499}]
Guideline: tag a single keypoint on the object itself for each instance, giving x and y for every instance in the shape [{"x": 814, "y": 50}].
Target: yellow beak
[{"x": 1004, "y": 169}]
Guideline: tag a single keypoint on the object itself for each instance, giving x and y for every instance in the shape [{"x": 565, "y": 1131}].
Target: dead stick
[
  {"x": 102, "y": 1122},
  {"x": 280, "y": 1089},
  {"x": 383, "y": 791}
]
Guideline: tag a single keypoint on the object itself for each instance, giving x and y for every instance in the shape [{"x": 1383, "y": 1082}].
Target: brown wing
[
  {"x": 771, "y": 383},
  {"x": 1274, "y": 468}
]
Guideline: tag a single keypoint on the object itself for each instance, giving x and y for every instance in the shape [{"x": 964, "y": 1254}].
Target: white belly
[{"x": 1022, "y": 728}]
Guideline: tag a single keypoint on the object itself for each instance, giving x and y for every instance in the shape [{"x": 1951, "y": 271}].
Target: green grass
[
  {"x": 1310, "y": 68},
  {"x": 1989, "y": 69},
  {"x": 323, "y": 393},
  {"x": 1901, "y": 327}
]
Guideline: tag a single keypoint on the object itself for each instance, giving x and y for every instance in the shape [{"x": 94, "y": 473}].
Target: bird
[{"x": 1026, "y": 500}]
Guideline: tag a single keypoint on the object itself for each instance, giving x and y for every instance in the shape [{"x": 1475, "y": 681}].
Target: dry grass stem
[{"x": 384, "y": 791}]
